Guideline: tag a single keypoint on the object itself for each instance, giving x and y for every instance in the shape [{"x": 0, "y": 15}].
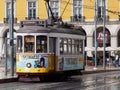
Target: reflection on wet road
[{"x": 100, "y": 81}]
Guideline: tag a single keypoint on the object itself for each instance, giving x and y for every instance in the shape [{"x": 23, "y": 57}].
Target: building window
[
  {"x": 100, "y": 4},
  {"x": 32, "y": 10},
  {"x": 8, "y": 8},
  {"x": 77, "y": 9},
  {"x": 54, "y": 4}
]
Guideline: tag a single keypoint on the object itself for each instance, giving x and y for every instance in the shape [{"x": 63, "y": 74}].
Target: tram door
[{"x": 52, "y": 48}]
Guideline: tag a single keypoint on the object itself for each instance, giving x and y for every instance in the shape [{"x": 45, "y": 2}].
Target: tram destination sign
[
  {"x": 32, "y": 22},
  {"x": 29, "y": 22}
]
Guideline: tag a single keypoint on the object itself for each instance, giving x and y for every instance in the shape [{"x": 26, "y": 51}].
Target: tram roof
[{"x": 51, "y": 29}]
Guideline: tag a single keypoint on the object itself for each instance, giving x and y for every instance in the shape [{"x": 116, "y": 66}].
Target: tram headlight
[{"x": 28, "y": 65}]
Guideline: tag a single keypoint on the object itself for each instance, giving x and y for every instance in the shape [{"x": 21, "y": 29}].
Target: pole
[
  {"x": 11, "y": 39},
  {"x": 95, "y": 21},
  {"x": 6, "y": 56},
  {"x": 104, "y": 43}
]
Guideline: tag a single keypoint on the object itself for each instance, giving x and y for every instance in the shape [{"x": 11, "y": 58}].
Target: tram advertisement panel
[
  {"x": 34, "y": 61},
  {"x": 70, "y": 63}
]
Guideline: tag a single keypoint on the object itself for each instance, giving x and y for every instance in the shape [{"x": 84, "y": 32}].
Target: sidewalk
[
  {"x": 100, "y": 68},
  {"x": 88, "y": 70},
  {"x": 8, "y": 77}
]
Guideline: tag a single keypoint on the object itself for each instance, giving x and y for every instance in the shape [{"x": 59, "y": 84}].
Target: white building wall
[
  {"x": 1, "y": 40},
  {"x": 113, "y": 41},
  {"x": 3, "y": 30},
  {"x": 89, "y": 29},
  {"x": 113, "y": 31},
  {"x": 89, "y": 41}
]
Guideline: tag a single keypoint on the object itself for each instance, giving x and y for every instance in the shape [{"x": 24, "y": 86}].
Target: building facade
[{"x": 78, "y": 12}]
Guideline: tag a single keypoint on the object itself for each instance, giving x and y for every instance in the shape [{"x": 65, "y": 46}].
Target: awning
[
  {"x": 111, "y": 49},
  {"x": 89, "y": 49},
  {"x": 102, "y": 49},
  {"x": 106, "y": 49}
]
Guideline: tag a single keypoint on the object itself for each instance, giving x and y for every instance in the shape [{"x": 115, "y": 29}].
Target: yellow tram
[{"x": 48, "y": 50}]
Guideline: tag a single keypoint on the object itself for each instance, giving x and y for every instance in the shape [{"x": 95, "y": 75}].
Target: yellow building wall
[
  {"x": 21, "y": 12},
  {"x": 113, "y": 7},
  {"x": 2, "y": 11},
  {"x": 66, "y": 9},
  {"x": 21, "y": 9},
  {"x": 88, "y": 9},
  {"x": 42, "y": 10}
]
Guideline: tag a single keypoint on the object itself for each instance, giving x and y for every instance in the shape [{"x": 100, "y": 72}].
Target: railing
[
  {"x": 100, "y": 18},
  {"x": 30, "y": 18},
  {"x": 83, "y": 21},
  {"x": 6, "y": 20},
  {"x": 77, "y": 18}
]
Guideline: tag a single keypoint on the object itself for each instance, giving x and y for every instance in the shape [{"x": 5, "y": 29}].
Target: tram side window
[
  {"x": 29, "y": 43},
  {"x": 80, "y": 46},
  {"x": 76, "y": 46},
  {"x": 41, "y": 44},
  {"x": 63, "y": 46},
  {"x": 70, "y": 46},
  {"x": 19, "y": 44}
]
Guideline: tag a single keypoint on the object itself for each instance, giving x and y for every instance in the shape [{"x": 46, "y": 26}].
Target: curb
[
  {"x": 99, "y": 71},
  {"x": 6, "y": 80}
]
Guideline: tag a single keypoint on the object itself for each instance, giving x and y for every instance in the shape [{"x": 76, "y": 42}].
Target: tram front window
[
  {"x": 29, "y": 43},
  {"x": 41, "y": 44},
  {"x": 19, "y": 43}
]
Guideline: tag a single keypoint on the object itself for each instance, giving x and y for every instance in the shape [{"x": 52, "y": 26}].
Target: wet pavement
[
  {"x": 99, "y": 81},
  {"x": 102, "y": 81},
  {"x": 5, "y": 74}
]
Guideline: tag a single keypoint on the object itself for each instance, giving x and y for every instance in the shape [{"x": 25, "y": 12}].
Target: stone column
[
  {"x": 89, "y": 44},
  {"x": 1, "y": 46},
  {"x": 113, "y": 41},
  {"x": 89, "y": 41}
]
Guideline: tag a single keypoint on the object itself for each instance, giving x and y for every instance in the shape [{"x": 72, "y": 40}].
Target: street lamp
[
  {"x": 104, "y": 43},
  {"x": 95, "y": 41},
  {"x": 11, "y": 38}
]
